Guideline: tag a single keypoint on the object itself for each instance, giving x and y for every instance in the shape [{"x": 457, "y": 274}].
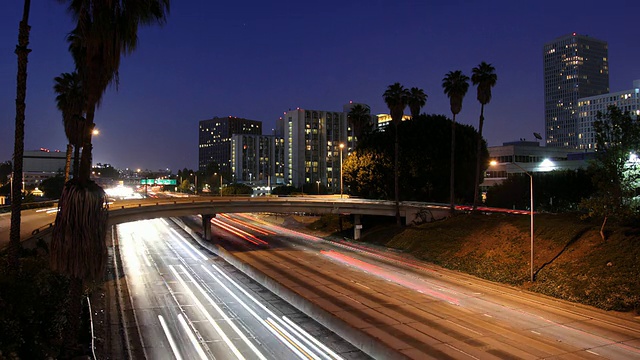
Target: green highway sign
[{"x": 158, "y": 181}]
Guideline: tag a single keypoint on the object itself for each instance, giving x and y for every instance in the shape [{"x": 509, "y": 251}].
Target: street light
[
  {"x": 196, "y": 180},
  {"x": 220, "y": 183},
  {"x": 318, "y": 182},
  {"x": 492, "y": 163},
  {"x": 341, "y": 148}
]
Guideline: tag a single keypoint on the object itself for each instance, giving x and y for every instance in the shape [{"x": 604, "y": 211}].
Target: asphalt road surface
[
  {"x": 424, "y": 311},
  {"x": 190, "y": 304}
]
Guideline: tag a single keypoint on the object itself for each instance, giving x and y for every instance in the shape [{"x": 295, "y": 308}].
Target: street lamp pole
[
  {"x": 531, "y": 212},
  {"x": 341, "y": 148},
  {"x": 531, "y": 208},
  {"x": 318, "y": 182}
]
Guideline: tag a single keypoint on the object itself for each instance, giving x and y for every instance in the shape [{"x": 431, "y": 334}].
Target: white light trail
[
  {"x": 199, "y": 305},
  {"x": 172, "y": 343},
  {"x": 192, "y": 337},
  {"x": 277, "y": 330},
  {"x": 302, "y": 333},
  {"x": 314, "y": 342},
  {"x": 183, "y": 241}
]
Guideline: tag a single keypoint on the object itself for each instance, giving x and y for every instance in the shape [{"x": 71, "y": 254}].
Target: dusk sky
[{"x": 257, "y": 59}]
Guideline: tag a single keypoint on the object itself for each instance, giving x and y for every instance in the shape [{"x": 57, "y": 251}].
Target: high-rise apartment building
[
  {"x": 588, "y": 108},
  {"x": 312, "y": 149},
  {"x": 214, "y": 140},
  {"x": 258, "y": 159},
  {"x": 575, "y": 66}
]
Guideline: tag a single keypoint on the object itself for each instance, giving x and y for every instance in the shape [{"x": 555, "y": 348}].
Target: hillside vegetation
[{"x": 571, "y": 260}]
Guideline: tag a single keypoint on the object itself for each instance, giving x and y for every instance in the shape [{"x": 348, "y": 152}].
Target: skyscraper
[
  {"x": 214, "y": 140},
  {"x": 312, "y": 147},
  {"x": 575, "y": 66}
]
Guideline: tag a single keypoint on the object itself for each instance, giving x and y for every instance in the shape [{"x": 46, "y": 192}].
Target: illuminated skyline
[{"x": 256, "y": 60}]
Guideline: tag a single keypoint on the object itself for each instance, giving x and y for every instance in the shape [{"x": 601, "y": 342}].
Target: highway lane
[
  {"x": 30, "y": 220},
  {"x": 434, "y": 312},
  {"x": 190, "y": 304}
]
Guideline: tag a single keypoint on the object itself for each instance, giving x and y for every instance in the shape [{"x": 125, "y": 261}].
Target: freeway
[
  {"x": 31, "y": 220},
  {"x": 189, "y": 304},
  {"x": 421, "y": 310}
]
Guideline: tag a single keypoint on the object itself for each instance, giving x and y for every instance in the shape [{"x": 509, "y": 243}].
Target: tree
[
  {"x": 424, "y": 169},
  {"x": 359, "y": 118},
  {"x": 283, "y": 190},
  {"x": 417, "y": 99},
  {"x": 104, "y": 32},
  {"x": 5, "y": 170},
  {"x": 616, "y": 169},
  {"x": 237, "y": 189},
  {"x": 396, "y": 98},
  {"x": 52, "y": 187},
  {"x": 455, "y": 85},
  {"x": 70, "y": 101},
  {"x": 366, "y": 173},
  {"x": 107, "y": 171},
  {"x": 484, "y": 77},
  {"x": 18, "y": 148}
]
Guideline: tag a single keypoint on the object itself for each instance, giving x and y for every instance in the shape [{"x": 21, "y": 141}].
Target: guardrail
[{"x": 30, "y": 205}]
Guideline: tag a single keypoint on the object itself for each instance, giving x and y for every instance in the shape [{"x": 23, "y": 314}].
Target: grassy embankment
[{"x": 571, "y": 260}]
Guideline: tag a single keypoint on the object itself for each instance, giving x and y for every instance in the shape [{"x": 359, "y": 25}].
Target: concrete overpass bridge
[
  {"x": 37, "y": 225},
  {"x": 208, "y": 207}
]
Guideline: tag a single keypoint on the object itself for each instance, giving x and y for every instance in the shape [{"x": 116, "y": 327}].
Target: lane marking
[
  {"x": 172, "y": 343},
  {"x": 274, "y": 328},
  {"x": 466, "y": 328},
  {"x": 200, "y": 306},
  {"x": 182, "y": 240},
  {"x": 192, "y": 337},
  {"x": 301, "y": 332}
]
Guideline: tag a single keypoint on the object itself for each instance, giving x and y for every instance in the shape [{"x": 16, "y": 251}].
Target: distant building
[
  {"x": 44, "y": 160},
  {"x": 42, "y": 164},
  {"x": 214, "y": 139},
  {"x": 384, "y": 120},
  {"x": 312, "y": 147},
  {"x": 257, "y": 159},
  {"x": 575, "y": 66},
  {"x": 532, "y": 157},
  {"x": 588, "y": 108}
]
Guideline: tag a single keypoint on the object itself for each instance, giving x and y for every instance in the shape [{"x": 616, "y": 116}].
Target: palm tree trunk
[
  {"x": 67, "y": 163},
  {"x": 453, "y": 158},
  {"x": 18, "y": 151},
  {"x": 396, "y": 182},
  {"x": 76, "y": 161},
  {"x": 86, "y": 159},
  {"x": 478, "y": 158}
]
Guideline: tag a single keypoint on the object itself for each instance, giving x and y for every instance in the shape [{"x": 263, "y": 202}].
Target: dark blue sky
[{"x": 256, "y": 59}]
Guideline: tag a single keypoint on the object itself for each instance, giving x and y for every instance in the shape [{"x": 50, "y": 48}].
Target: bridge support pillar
[
  {"x": 206, "y": 225},
  {"x": 357, "y": 227}
]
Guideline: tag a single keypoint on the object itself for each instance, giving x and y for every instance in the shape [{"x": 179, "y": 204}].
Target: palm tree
[
  {"x": 417, "y": 99},
  {"x": 359, "y": 119},
  {"x": 485, "y": 78},
  {"x": 105, "y": 31},
  {"x": 70, "y": 101},
  {"x": 396, "y": 98},
  {"x": 18, "y": 147},
  {"x": 455, "y": 85}
]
